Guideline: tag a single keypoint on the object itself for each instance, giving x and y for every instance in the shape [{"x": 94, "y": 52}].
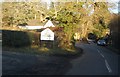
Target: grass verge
[{"x": 55, "y": 51}]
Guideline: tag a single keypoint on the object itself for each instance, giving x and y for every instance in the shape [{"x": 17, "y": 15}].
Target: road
[
  {"x": 96, "y": 60},
  {"x": 14, "y": 63}
]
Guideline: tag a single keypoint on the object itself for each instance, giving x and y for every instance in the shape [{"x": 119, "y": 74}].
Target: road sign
[{"x": 47, "y": 34}]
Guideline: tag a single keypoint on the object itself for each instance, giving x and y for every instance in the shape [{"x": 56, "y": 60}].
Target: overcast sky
[
  {"x": 115, "y": 8},
  {"x": 113, "y": 0}
]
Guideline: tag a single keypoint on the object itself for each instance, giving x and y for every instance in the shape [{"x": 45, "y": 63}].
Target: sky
[
  {"x": 115, "y": 9},
  {"x": 113, "y": 1}
]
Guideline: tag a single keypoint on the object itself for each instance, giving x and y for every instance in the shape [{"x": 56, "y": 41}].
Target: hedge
[{"x": 18, "y": 38}]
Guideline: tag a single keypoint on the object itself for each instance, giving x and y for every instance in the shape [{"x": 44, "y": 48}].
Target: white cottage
[
  {"x": 47, "y": 34},
  {"x": 49, "y": 24}
]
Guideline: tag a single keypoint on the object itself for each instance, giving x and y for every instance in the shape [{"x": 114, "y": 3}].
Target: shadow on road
[{"x": 21, "y": 64}]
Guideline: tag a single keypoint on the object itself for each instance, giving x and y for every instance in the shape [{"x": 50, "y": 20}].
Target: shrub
[
  {"x": 16, "y": 38},
  {"x": 84, "y": 39},
  {"x": 23, "y": 24},
  {"x": 34, "y": 37}
]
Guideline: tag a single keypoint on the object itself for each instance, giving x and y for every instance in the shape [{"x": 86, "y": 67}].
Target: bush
[
  {"x": 23, "y": 24},
  {"x": 34, "y": 37},
  {"x": 92, "y": 36},
  {"x": 17, "y": 38},
  {"x": 84, "y": 39}
]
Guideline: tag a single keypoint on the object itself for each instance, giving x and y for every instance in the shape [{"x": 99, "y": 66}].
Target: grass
[
  {"x": 55, "y": 51},
  {"x": 34, "y": 49}
]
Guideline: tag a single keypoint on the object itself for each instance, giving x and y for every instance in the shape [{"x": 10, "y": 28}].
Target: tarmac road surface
[{"x": 96, "y": 60}]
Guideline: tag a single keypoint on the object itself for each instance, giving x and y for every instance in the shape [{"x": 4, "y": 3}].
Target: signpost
[{"x": 47, "y": 35}]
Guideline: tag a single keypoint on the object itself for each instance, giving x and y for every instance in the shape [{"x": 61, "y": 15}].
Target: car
[{"x": 101, "y": 42}]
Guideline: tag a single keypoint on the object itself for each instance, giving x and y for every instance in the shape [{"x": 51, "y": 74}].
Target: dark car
[{"x": 101, "y": 42}]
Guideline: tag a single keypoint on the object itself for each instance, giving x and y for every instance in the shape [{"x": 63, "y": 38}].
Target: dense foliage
[
  {"x": 78, "y": 19},
  {"x": 81, "y": 17},
  {"x": 115, "y": 34},
  {"x": 15, "y": 13},
  {"x": 19, "y": 38}
]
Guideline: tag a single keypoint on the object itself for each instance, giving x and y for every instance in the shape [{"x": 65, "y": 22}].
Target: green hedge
[{"x": 18, "y": 38}]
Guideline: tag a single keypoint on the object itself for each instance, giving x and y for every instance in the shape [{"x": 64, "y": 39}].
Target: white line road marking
[
  {"x": 102, "y": 55},
  {"x": 108, "y": 67},
  {"x": 106, "y": 63},
  {"x": 98, "y": 50}
]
